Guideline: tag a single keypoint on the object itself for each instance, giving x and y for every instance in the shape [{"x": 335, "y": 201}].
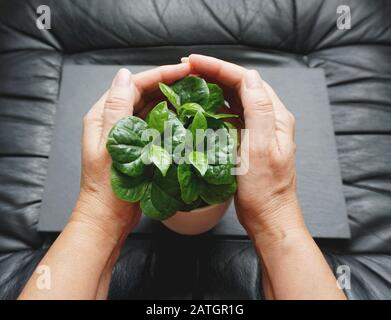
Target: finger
[
  {"x": 285, "y": 121},
  {"x": 119, "y": 101},
  {"x": 92, "y": 125},
  {"x": 258, "y": 110},
  {"x": 148, "y": 81},
  {"x": 223, "y": 72}
]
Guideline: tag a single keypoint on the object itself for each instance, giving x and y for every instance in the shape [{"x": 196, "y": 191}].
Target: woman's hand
[
  {"x": 267, "y": 174},
  {"x": 81, "y": 259},
  {"x": 266, "y": 200},
  {"x": 267, "y": 179},
  {"x": 97, "y": 205}
]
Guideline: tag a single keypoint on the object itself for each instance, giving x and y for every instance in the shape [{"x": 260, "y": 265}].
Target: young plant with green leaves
[{"x": 180, "y": 157}]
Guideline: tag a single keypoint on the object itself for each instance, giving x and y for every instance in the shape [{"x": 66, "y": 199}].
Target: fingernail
[
  {"x": 122, "y": 79},
  {"x": 184, "y": 59},
  {"x": 253, "y": 80}
]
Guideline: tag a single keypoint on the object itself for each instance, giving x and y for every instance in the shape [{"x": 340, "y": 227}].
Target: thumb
[
  {"x": 258, "y": 110},
  {"x": 119, "y": 101}
]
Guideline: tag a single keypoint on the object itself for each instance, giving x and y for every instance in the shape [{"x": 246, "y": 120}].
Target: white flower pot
[{"x": 197, "y": 221}]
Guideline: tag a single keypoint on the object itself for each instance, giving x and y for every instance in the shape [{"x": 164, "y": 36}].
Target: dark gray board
[{"x": 303, "y": 91}]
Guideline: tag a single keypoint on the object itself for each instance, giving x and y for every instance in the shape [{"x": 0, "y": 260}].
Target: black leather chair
[{"x": 296, "y": 33}]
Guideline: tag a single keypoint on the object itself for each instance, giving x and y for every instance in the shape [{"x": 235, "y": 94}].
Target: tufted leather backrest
[{"x": 296, "y": 26}]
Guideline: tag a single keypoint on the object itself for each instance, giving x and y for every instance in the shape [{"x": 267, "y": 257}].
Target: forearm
[
  {"x": 293, "y": 265},
  {"x": 79, "y": 264}
]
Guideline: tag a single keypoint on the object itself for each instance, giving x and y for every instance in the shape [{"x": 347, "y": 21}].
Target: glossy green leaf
[
  {"x": 192, "y": 89},
  {"x": 148, "y": 208},
  {"x": 132, "y": 169},
  {"x": 165, "y": 187},
  {"x": 165, "y": 192},
  {"x": 216, "y": 98},
  {"x": 221, "y": 154},
  {"x": 199, "y": 160},
  {"x": 222, "y": 115},
  {"x": 189, "y": 110},
  {"x": 230, "y": 126},
  {"x": 188, "y": 183},
  {"x": 199, "y": 123},
  {"x": 128, "y": 188},
  {"x": 158, "y": 116},
  {"x": 215, "y": 124},
  {"x": 170, "y": 94},
  {"x": 213, "y": 194},
  {"x": 220, "y": 146},
  {"x": 174, "y": 137},
  {"x": 126, "y": 146},
  {"x": 219, "y": 174},
  {"x": 160, "y": 158},
  {"x": 162, "y": 198}
]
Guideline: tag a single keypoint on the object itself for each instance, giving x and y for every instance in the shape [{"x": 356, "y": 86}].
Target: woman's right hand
[
  {"x": 267, "y": 174},
  {"x": 293, "y": 267}
]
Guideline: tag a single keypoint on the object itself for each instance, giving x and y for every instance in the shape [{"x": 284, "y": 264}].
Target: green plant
[{"x": 178, "y": 159}]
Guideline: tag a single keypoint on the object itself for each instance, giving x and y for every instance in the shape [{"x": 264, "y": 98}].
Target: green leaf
[
  {"x": 127, "y": 188},
  {"x": 216, "y": 98},
  {"x": 188, "y": 183},
  {"x": 164, "y": 187},
  {"x": 222, "y": 115},
  {"x": 158, "y": 116},
  {"x": 213, "y": 194},
  {"x": 126, "y": 146},
  {"x": 174, "y": 99},
  {"x": 199, "y": 123},
  {"x": 192, "y": 89},
  {"x": 162, "y": 197},
  {"x": 199, "y": 160},
  {"x": 221, "y": 157},
  {"x": 132, "y": 169},
  {"x": 166, "y": 192},
  {"x": 215, "y": 124},
  {"x": 164, "y": 202},
  {"x": 160, "y": 158},
  {"x": 189, "y": 110},
  {"x": 220, "y": 146},
  {"x": 230, "y": 126},
  {"x": 148, "y": 208},
  {"x": 219, "y": 174},
  {"x": 174, "y": 136}
]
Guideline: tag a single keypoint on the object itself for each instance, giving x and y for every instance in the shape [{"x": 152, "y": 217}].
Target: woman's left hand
[{"x": 97, "y": 205}]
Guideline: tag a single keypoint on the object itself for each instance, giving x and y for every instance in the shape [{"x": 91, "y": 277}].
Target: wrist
[
  {"x": 279, "y": 240},
  {"x": 102, "y": 220},
  {"x": 274, "y": 219}
]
